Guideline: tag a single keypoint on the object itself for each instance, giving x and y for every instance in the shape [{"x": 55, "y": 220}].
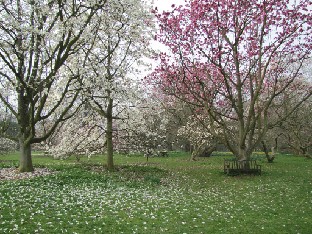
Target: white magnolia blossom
[
  {"x": 144, "y": 129},
  {"x": 115, "y": 55},
  {"x": 82, "y": 135},
  {"x": 141, "y": 128},
  {"x": 195, "y": 132}
]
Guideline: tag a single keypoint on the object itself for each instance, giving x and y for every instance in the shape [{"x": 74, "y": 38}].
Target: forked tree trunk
[
  {"x": 23, "y": 104},
  {"x": 25, "y": 157},
  {"x": 195, "y": 152},
  {"x": 242, "y": 154}
]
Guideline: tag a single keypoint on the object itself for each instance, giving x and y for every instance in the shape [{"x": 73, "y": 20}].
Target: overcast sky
[{"x": 166, "y": 4}]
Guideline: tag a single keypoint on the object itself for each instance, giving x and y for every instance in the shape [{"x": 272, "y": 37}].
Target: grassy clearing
[{"x": 164, "y": 195}]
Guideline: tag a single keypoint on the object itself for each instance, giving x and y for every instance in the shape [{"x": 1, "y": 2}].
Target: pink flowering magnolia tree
[{"x": 231, "y": 59}]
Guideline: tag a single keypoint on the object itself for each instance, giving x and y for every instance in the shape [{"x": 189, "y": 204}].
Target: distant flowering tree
[
  {"x": 82, "y": 135},
  {"x": 202, "y": 141},
  {"x": 295, "y": 131},
  {"x": 7, "y": 145},
  {"x": 141, "y": 127},
  {"x": 144, "y": 129},
  {"x": 232, "y": 59}
]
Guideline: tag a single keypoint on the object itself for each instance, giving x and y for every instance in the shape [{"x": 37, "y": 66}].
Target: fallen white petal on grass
[{"x": 12, "y": 173}]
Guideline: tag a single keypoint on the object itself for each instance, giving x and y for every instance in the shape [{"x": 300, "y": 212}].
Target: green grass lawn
[{"x": 163, "y": 195}]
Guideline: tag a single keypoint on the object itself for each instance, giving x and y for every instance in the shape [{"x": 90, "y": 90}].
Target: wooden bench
[
  {"x": 156, "y": 154},
  {"x": 163, "y": 153},
  {"x": 235, "y": 167}
]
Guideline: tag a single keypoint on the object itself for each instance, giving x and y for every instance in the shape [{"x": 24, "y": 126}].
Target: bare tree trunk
[
  {"x": 273, "y": 151},
  {"x": 109, "y": 136},
  {"x": 25, "y": 157},
  {"x": 207, "y": 150},
  {"x": 187, "y": 147},
  {"x": 169, "y": 146},
  {"x": 242, "y": 154},
  {"x": 25, "y": 164},
  {"x": 193, "y": 155},
  {"x": 266, "y": 152},
  {"x": 303, "y": 150},
  {"x": 196, "y": 149}
]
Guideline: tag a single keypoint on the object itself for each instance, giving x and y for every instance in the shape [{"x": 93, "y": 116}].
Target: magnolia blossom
[
  {"x": 144, "y": 129},
  {"x": 141, "y": 128},
  {"x": 82, "y": 135},
  {"x": 197, "y": 134}
]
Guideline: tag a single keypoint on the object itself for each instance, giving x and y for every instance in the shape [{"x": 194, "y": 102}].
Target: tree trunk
[
  {"x": 169, "y": 146},
  {"x": 194, "y": 154},
  {"x": 273, "y": 151},
  {"x": 207, "y": 151},
  {"x": 23, "y": 104},
  {"x": 24, "y": 132},
  {"x": 266, "y": 152},
  {"x": 109, "y": 136},
  {"x": 196, "y": 149},
  {"x": 242, "y": 154},
  {"x": 187, "y": 147},
  {"x": 303, "y": 150},
  {"x": 25, "y": 157}
]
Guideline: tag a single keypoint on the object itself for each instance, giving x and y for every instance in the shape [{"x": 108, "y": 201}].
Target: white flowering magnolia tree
[
  {"x": 141, "y": 127},
  {"x": 201, "y": 139},
  {"x": 121, "y": 42},
  {"x": 145, "y": 128},
  {"x": 39, "y": 75},
  {"x": 7, "y": 145}
]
